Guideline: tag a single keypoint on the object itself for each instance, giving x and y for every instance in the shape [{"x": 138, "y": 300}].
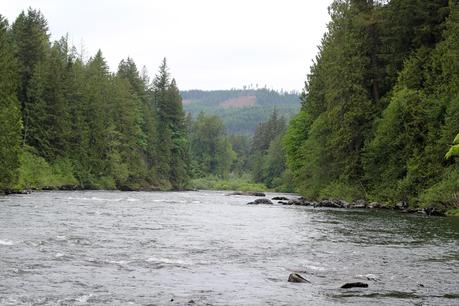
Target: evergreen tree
[
  {"x": 268, "y": 162},
  {"x": 378, "y": 106},
  {"x": 211, "y": 151},
  {"x": 172, "y": 147},
  {"x": 31, "y": 43}
]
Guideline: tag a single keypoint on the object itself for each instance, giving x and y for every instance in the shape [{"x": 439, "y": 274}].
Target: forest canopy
[
  {"x": 68, "y": 123},
  {"x": 378, "y": 118},
  {"x": 381, "y": 105}
]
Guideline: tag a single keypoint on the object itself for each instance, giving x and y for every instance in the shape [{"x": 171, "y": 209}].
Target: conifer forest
[
  {"x": 378, "y": 117},
  {"x": 206, "y": 152}
]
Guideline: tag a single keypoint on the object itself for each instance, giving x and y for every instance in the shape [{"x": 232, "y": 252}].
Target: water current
[{"x": 206, "y": 248}]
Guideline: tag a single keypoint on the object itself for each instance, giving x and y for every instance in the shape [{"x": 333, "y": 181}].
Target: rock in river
[
  {"x": 354, "y": 285},
  {"x": 280, "y": 199},
  {"x": 296, "y": 278},
  {"x": 435, "y": 209},
  {"x": 260, "y": 201},
  {"x": 300, "y": 201}
]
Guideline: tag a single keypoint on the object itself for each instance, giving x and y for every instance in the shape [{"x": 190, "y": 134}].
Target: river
[{"x": 205, "y": 248}]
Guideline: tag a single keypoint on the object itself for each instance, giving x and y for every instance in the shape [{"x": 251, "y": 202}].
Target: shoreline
[{"x": 433, "y": 210}]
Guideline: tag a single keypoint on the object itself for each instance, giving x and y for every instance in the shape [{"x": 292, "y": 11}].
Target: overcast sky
[{"x": 209, "y": 44}]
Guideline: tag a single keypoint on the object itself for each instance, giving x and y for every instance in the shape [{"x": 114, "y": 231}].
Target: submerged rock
[
  {"x": 354, "y": 285},
  {"x": 247, "y": 193},
  {"x": 280, "y": 199},
  {"x": 9, "y": 191},
  {"x": 296, "y": 278},
  {"x": 260, "y": 201}
]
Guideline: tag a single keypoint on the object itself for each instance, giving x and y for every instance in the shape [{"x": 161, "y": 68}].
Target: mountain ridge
[{"x": 241, "y": 110}]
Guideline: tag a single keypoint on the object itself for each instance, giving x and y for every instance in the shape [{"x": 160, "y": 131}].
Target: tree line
[
  {"x": 66, "y": 122},
  {"x": 259, "y": 158},
  {"x": 381, "y": 105},
  {"x": 242, "y": 119},
  {"x": 69, "y": 123}
]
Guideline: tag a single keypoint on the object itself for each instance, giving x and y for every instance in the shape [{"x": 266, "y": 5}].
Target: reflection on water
[{"x": 89, "y": 248}]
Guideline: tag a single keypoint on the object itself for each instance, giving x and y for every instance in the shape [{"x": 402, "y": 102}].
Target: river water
[{"x": 205, "y": 248}]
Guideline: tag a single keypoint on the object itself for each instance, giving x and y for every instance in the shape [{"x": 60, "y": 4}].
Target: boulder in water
[
  {"x": 435, "y": 209},
  {"x": 296, "y": 278},
  {"x": 260, "y": 201},
  {"x": 300, "y": 202},
  {"x": 354, "y": 285},
  {"x": 280, "y": 199}
]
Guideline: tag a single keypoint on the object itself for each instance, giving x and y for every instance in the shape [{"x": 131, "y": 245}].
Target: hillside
[{"x": 241, "y": 109}]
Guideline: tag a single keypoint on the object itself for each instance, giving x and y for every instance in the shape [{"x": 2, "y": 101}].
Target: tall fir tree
[
  {"x": 172, "y": 147},
  {"x": 31, "y": 44}
]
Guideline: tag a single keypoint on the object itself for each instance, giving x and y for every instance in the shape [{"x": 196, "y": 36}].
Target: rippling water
[{"x": 205, "y": 248}]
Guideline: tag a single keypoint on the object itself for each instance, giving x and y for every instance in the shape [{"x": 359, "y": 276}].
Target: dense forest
[
  {"x": 70, "y": 123},
  {"x": 220, "y": 160},
  {"x": 381, "y": 105},
  {"x": 241, "y": 110},
  {"x": 378, "y": 119}
]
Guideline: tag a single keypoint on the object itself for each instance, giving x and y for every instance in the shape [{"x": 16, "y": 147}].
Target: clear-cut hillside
[{"x": 241, "y": 110}]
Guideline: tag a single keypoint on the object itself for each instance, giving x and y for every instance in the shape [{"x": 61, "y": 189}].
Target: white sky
[{"x": 209, "y": 44}]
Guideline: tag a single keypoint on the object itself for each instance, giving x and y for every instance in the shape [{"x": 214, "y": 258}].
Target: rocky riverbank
[{"x": 434, "y": 209}]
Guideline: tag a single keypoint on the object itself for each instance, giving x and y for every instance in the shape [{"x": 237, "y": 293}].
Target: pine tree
[
  {"x": 179, "y": 151},
  {"x": 164, "y": 138},
  {"x": 172, "y": 146},
  {"x": 31, "y": 43}
]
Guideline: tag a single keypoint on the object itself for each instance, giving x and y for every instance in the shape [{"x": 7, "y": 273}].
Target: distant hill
[{"x": 241, "y": 109}]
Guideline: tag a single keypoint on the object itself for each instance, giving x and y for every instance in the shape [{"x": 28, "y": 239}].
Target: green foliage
[
  {"x": 399, "y": 137},
  {"x": 453, "y": 212},
  {"x": 83, "y": 125},
  {"x": 445, "y": 191},
  {"x": 381, "y": 105},
  {"x": 172, "y": 142},
  {"x": 10, "y": 116},
  {"x": 267, "y": 161},
  {"x": 36, "y": 173},
  {"x": 339, "y": 190},
  {"x": 454, "y": 150},
  {"x": 241, "y": 120},
  {"x": 241, "y": 146},
  {"x": 211, "y": 151}
]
